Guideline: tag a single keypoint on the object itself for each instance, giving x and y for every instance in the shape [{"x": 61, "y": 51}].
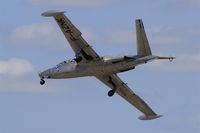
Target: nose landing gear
[{"x": 42, "y": 81}]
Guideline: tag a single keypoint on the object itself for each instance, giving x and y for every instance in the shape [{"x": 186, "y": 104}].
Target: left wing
[
  {"x": 73, "y": 35},
  {"x": 114, "y": 82}
]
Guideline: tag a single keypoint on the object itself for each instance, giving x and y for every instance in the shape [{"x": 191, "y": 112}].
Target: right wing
[
  {"x": 114, "y": 82},
  {"x": 73, "y": 35}
]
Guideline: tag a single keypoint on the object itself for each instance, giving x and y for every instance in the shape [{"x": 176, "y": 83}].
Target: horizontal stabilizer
[
  {"x": 164, "y": 58},
  {"x": 145, "y": 117}
]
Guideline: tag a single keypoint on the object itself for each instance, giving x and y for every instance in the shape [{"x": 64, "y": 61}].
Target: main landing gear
[
  {"x": 42, "y": 81},
  {"x": 78, "y": 59},
  {"x": 111, "y": 93}
]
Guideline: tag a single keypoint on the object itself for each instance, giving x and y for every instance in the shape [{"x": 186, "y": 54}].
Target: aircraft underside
[{"x": 82, "y": 70}]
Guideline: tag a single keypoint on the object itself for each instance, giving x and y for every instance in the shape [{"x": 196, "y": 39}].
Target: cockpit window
[
  {"x": 107, "y": 58},
  {"x": 73, "y": 61},
  {"x": 64, "y": 62}
]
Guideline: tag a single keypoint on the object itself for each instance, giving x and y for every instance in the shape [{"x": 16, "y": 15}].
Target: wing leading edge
[
  {"x": 114, "y": 82},
  {"x": 73, "y": 35}
]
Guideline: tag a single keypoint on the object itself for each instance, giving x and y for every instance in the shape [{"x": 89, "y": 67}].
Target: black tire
[
  {"x": 78, "y": 59},
  {"x": 111, "y": 93},
  {"x": 42, "y": 81}
]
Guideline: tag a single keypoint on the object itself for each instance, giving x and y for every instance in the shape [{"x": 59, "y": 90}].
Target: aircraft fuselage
[{"x": 72, "y": 69}]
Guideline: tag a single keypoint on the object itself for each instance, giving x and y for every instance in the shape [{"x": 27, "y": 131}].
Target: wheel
[
  {"x": 111, "y": 93},
  {"x": 78, "y": 59},
  {"x": 42, "y": 81}
]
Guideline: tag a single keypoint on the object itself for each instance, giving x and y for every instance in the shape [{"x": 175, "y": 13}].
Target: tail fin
[{"x": 143, "y": 47}]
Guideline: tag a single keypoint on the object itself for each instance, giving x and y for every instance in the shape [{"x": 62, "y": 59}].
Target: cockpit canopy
[
  {"x": 111, "y": 58},
  {"x": 66, "y": 62},
  {"x": 107, "y": 58}
]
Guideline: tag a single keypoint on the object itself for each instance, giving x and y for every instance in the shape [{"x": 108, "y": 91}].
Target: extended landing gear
[
  {"x": 111, "y": 93},
  {"x": 42, "y": 81},
  {"x": 78, "y": 59}
]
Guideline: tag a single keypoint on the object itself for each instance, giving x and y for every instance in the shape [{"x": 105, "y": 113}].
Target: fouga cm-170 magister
[{"x": 88, "y": 63}]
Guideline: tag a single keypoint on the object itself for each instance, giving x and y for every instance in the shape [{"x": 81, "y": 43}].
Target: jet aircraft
[{"x": 88, "y": 63}]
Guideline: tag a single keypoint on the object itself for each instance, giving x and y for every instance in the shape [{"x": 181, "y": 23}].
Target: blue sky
[{"x": 30, "y": 43}]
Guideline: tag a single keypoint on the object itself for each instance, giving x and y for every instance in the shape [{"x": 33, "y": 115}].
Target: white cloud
[
  {"x": 72, "y": 3},
  {"x": 16, "y": 67},
  {"x": 18, "y": 75},
  {"x": 157, "y": 35},
  {"x": 48, "y": 35},
  {"x": 37, "y": 35},
  {"x": 173, "y": 40},
  {"x": 172, "y": 5},
  {"x": 120, "y": 37},
  {"x": 17, "y": 85},
  {"x": 182, "y": 63},
  {"x": 164, "y": 35},
  {"x": 90, "y": 35},
  {"x": 109, "y": 37},
  {"x": 30, "y": 32},
  {"x": 167, "y": 39}
]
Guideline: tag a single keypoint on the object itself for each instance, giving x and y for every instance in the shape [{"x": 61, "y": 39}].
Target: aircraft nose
[
  {"x": 40, "y": 75},
  {"x": 45, "y": 74}
]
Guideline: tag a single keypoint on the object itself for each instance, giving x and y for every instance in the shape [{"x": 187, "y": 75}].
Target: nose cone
[
  {"x": 45, "y": 74},
  {"x": 41, "y": 75}
]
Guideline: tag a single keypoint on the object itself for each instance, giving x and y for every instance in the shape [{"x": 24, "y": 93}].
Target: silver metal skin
[
  {"x": 88, "y": 63},
  {"x": 72, "y": 69}
]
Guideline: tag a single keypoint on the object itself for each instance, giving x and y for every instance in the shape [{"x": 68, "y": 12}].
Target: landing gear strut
[
  {"x": 111, "y": 93},
  {"x": 42, "y": 81}
]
